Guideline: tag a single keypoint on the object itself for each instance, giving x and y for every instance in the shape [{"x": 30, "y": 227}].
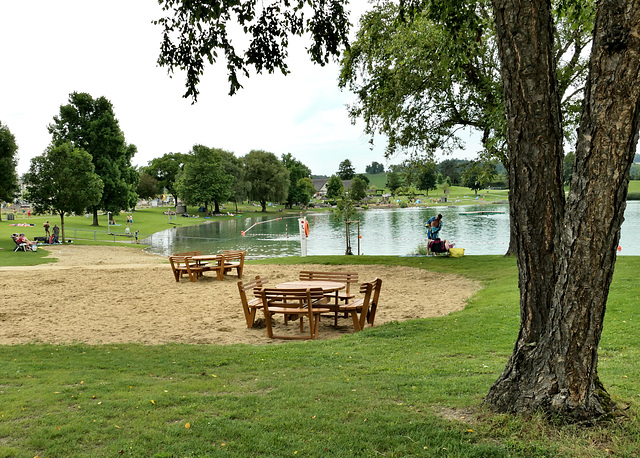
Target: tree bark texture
[{"x": 566, "y": 253}]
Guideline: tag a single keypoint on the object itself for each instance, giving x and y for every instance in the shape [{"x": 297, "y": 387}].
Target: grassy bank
[{"x": 403, "y": 389}]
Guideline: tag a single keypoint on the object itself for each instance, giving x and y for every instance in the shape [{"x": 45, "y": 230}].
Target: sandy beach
[{"x": 97, "y": 294}]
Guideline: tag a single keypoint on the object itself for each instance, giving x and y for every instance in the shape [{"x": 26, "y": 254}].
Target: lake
[{"x": 393, "y": 231}]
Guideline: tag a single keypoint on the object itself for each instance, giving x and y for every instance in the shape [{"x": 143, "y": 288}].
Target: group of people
[
  {"x": 51, "y": 236},
  {"x": 435, "y": 244}
]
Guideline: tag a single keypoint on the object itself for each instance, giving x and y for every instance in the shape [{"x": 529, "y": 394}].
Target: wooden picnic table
[
  {"x": 327, "y": 287},
  {"x": 217, "y": 263}
]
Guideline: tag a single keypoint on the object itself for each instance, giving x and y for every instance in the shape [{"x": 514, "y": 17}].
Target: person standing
[
  {"x": 47, "y": 232},
  {"x": 434, "y": 224},
  {"x": 56, "y": 234}
]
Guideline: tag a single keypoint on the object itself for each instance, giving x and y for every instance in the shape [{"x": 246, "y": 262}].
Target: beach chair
[
  {"x": 250, "y": 307},
  {"x": 19, "y": 246},
  {"x": 292, "y": 302}
]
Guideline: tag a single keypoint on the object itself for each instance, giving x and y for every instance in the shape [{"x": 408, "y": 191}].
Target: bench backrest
[
  {"x": 188, "y": 253},
  {"x": 290, "y": 298},
  {"x": 234, "y": 255},
  {"x": 243, "y": 287},
  {"x": 343, "y": 277}
]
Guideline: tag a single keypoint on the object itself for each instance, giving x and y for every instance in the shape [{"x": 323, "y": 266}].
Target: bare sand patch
[{"x": 97, "y": 294}]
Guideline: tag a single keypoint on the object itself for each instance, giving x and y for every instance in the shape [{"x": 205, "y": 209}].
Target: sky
[{"x": 110, "y": 48}]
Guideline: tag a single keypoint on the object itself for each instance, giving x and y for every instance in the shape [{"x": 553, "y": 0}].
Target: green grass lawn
[{"x": 402, "y": 389}]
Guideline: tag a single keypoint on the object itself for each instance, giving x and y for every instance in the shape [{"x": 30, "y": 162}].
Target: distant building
[{"x": 320, "y": 184}]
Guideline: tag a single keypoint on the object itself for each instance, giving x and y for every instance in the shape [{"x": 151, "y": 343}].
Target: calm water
[{"x": 382, "y": 231}]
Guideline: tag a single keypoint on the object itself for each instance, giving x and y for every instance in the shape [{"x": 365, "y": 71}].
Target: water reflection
[{"x": 383, "y": 232}]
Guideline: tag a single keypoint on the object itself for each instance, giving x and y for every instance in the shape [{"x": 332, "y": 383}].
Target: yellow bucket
[{"x": 456, "y": 252}]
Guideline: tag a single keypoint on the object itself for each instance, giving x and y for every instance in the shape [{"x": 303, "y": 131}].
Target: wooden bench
[
  {"x": 184, "y": 265},
  {"x": 342, "y": 277},
  {"x": 250, "y": 307},
  {"x": 365, "y": 306},
  {"x": 292, "y": 302},
  {"x": 234, "y": 259}
]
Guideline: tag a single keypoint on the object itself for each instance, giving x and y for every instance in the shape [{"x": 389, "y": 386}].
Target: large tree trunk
[
  {"x": 95, "y": 217},
  {"x": 566, "y": 257}
]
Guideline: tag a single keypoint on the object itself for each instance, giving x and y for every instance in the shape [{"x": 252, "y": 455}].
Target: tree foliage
[
  {"x": 90, "y": 124},
  {"x": 298, "y": 190},
  {"x": 374, "y": 168},
  {"x": 267, "y": 176},
  {"x": 478, "y": 174},
  {"x": 335, "y": 188},
  {"x": 358, "y": 189},
  {"x": 8, "y": 164},
  {"x": 204, "y": 179},
  {"x": 63, "y": 180},
  {"x": 394, "y": 181},
  {"x": 427, "y": 179},
  {"x": 427, "y": 72},
  {"x": 166, "y": 169},
  {"x": 148, "y": 186},
  {"x": 346, "y": 170},
  {"x": 195, "y": 32}
]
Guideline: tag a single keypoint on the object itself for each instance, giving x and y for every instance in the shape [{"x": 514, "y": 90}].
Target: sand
[{"x": 97, "y": 295}]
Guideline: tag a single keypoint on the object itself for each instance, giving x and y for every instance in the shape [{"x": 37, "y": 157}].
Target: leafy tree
[
  {"x": 204, "y": 179},
  {"x": 194, "y": 32},
  {"x": 234, "y": 167},
  {"x": 478, "y": 174},
  {"x": 166, "y": 169},
  {"x": 306, "y": 189},
  {"x": 394, "y": 181},
  {"x": 423, "y": 82},
  {"x": 427, "y": 177},
  {"x": 358, "y": 189},
  {"x": 8, "y": 164},
  {"x": 364, "y": 178},
  {"x": 451, "y": 168},
  {"x": 298, "y": 190},
  {"x": 374, "y": 168},
  {"x": 91, "y": 125},
  {"x": 268, "y": 177},
  {"x": 439, "y": 178},
  {"x": 565, "y": 259},
  {"x": 335, "y": 188},
  {"x": 63, "y": 180},
  {"x": 148, "y": 186},
  {"x": 345, "y": 210},
  {"x": 346, "y": 170}
]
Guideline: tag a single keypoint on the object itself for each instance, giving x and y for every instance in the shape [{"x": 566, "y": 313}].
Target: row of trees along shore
[
  {"x": 524, "y": 75},
  {"x": 212, "y": 176}
]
